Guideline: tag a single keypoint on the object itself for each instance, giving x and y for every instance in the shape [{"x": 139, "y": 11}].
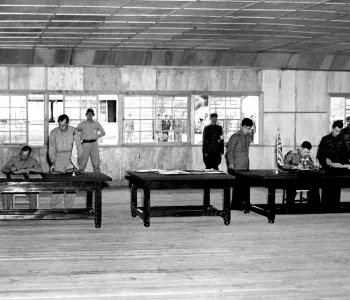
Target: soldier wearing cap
[
  {"x": 213, "y": 143},
  {"x": 90, "y": 132}
]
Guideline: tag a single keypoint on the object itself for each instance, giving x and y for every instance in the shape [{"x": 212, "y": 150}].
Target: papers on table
[
  {"x": 181, "y": 172},
  {"x": 338, "y": 165},
  {"x": 34, "y": 176},
  {"x": 17, "y": 176},
  {"x": 3, "y": 176}
]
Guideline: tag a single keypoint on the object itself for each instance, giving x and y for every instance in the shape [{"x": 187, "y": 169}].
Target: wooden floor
[{"x": 299, "y": 257}]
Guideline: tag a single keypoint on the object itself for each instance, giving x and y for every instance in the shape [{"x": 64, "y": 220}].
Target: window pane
[
  {"x": 155, "y": 119},
  {"x": 201, "y": 116},
  {"x": 250, "y": 109},
  {"x": 36, "y": 119},
  {"x": 337, "y": 109}
]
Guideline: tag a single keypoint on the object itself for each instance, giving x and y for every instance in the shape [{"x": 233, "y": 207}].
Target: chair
[{"x": 21, "y": 201}]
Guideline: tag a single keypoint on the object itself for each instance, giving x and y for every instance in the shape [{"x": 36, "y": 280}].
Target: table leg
[
  {"x": 227, "y": 208},
  {"x": 246, "y": 199},
  {"x": 206, "y": 198},
  {"x": 133, "y": 202},
  {"x": 271, "y": 204},
  {"x": 89, "y": 197},
  {"x": 98, "y": 207},
  {"x": 146, "y": 205}
]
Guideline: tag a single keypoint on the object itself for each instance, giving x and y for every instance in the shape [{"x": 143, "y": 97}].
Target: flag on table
[{"x": 279, "y": 154}]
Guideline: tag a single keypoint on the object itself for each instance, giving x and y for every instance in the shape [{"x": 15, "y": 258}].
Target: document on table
[
  {"x": 338, "y": 165},
  {"x": 3, "y": 176},
  {"x": 173, "y": 172},
  {"x": 17, "y": 176},
  {"x": 148, "y": 171},
  {"x": 34, "y": 176}
]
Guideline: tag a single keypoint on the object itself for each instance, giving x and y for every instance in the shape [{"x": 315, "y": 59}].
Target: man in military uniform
[
  {"x": 332, "y": 149},
  {"x": 300, "y": 159},
  {"x": 90, "y": 131},
  {"x": 237, "y": 156},
  {"x": 213, "y": 143}
]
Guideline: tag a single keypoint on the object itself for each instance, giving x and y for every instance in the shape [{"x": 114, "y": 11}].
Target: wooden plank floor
[{"x": 298, "y": 257}]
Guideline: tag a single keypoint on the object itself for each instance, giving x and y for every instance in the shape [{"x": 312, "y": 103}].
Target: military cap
[
  {"x": 214, "y": 115},
  {"x": 90, "y": 110}
]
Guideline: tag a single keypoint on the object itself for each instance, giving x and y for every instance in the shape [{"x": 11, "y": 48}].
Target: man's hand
[
  {"x": 231, "y": 167},
  {"x": 328, "y": 162},
  {"x": 23, "y": 171},
  {"x": 13, "y": 169},
  {"x": 52, "y": 168},
  {"x": 205, "y": 154}
]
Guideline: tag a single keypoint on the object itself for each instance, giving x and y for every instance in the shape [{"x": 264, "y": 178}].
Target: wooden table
[
  {"x": 299, "y": 180},
  {"x": 92, "y": 183},
  {"x": 152, "y": 181}
]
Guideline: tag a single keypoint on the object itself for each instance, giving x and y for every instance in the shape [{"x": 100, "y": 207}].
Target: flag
[
  {"x": 74, "y": 156},
  {"x": 279, "y": 154}
]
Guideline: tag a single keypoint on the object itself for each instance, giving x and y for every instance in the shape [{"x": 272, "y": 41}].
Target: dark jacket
[
  {"x": 333, "y": 148},
  {"x": 213, "y": 141}
]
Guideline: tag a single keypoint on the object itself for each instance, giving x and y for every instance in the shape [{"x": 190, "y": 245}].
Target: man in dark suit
[{"x": 213, "y": 143}]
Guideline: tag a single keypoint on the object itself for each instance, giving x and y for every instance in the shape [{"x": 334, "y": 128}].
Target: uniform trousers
[
  {"x": 7, "y": 201},
  {"x": 63, "y": 163},
  {"x": 240, "y": 194},
  {"x": 90, "y": 150}
]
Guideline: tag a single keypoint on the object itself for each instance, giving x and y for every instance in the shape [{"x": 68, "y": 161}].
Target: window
[
  {"x": 339, "y": 108},
  {"x": 14, "y": 128},
  {"x": 75, "y": 106},
  {"x": 231, "y": 110},
  {"x": 155, "y": 119}
]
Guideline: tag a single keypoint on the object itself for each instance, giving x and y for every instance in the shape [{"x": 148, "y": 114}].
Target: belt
[{"x": 89, "y": 141}]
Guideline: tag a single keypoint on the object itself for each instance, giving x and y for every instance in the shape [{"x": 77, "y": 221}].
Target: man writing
[
  {"x": 60, "y": 151},
  {"x": 90, "y": 132},
  {"x": 213, "y": 143},
  {"x": 21, "y": 164},
  {"x": 300, "y": 159}
]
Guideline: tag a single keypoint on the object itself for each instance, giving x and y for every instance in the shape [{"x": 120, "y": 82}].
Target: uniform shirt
[
  {"x": 293, "y": 159},
  {"x": 213, "y": 141},
  {"x": 19, "y": 164},
  {"x": 334, "y": 148},
  {"x": 237, "y": 153},
  {"x": 63, "y": 142},
  {"x": 89, "y": 130}
]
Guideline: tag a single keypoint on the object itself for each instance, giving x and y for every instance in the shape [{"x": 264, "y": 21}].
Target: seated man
[
  {"x": 300, "y": 159},
  {"x": 22, "y": 163}
]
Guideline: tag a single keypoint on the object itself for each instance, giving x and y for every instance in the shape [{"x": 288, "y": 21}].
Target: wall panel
[
  {"x": 61, "y": 78},
  {"x": 4, "y": 78},
  {"x": 244, "y": 80},
  {"x": 19, "y": 78},
  {"x": 172, "y": 79},
  {"x": 339, "y": 82},
  {"x": 138, "y": 79},
  {"x": 310, "y": 127},
  {"x": 284, "y": 122},
  {"x": 279, "y": 90},
  {"x": 101, "y": 79},
  {"x": 311, "y": 90}
]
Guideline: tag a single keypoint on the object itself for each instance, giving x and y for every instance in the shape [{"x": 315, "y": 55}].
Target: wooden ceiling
[{"x": 293, "y": 26}]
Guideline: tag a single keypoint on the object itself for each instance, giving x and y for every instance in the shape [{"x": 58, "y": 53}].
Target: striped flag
[{"x": 279, "y": 154}]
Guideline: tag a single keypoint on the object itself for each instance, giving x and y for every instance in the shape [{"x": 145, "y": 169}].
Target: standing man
[
  {"x": 60, "y": 151},
  {"x": 300, "y": 159},
  {"x": 237, "y": 156},
  {"x": 213, "y": 143},
  {"x": 23, "y": 164},
  {"x": 90, "y": 132},
  {"x": 332, "y": 149}
]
